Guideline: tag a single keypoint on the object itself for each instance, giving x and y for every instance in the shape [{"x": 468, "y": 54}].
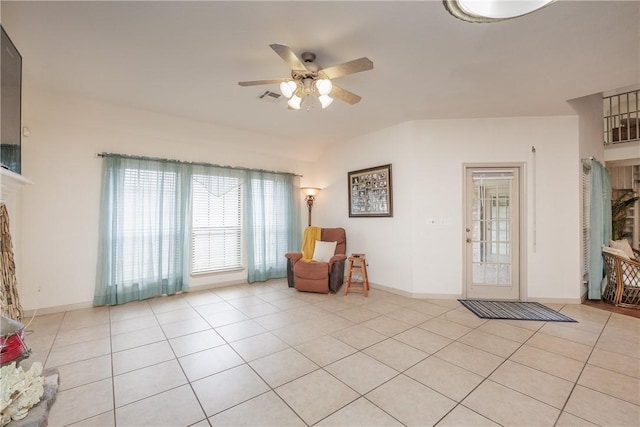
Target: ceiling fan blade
[
  {"x": 289, "y": 57},
  {"x": 263, "y": 82},
  {"x": 346, "y": 68},
  {"x": 345, "y": 95}
]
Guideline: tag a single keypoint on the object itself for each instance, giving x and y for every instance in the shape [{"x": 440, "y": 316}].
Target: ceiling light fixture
[
  {"x": 492, "y": 10},
  {"x": 309, "y": 86},
  {"x": 295, "y": 102},
  {"x": 325, "y": 100},
  {"x": 288, "y": 88},
  {"x": 308, "y": 80},
  {"x": 324, "y": 86}
]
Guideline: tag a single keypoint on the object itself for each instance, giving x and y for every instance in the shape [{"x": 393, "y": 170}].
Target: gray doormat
[{"x": 514, "y": 310}]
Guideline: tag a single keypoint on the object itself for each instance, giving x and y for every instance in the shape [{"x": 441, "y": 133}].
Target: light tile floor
[{"x": 265, "y": 354}]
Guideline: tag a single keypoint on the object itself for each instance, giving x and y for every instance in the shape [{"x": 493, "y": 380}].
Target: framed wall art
[{"x": 370, "y": 192}]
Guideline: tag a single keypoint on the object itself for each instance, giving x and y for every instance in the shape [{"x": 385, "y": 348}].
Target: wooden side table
[{"x": 357, "y": 265}]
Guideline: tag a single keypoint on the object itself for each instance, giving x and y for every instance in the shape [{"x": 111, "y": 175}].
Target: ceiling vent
[{"x": 267, "y": 95}]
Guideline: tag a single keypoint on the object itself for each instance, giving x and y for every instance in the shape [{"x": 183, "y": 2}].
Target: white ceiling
[{"x": 185, "y": 59}]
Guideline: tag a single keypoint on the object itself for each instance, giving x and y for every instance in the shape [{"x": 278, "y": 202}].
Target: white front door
[{"x": 492, "y": 233}]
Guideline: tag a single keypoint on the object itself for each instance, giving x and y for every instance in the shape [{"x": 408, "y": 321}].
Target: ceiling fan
[{"x": 308, "y": 79}]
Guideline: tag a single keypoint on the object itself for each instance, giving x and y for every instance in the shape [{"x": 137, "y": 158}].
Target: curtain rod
[{"x": 127, "y": 156}]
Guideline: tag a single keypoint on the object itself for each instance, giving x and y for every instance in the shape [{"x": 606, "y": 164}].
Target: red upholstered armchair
[{"x": 315, "y": 276}]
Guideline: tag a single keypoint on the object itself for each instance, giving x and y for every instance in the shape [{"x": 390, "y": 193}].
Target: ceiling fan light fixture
[
  {"x": 295, "y": 102},
  {"x": 324, "y": 86},
  {"x": 325, "y": 100},
  {"x": 492, "y": 10},
  {"x": 311, "y": 85},
  {"x": 288, "y": 88}
]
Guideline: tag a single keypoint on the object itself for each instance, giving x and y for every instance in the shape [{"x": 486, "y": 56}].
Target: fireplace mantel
[{"x": 11, "y": 181}]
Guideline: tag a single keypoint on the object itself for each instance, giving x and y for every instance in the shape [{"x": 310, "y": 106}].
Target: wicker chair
[{"x": 623, "y": 279}]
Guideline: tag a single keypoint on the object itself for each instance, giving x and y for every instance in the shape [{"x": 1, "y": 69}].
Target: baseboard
[
  {"x": 556, "y": 300},
  {"x": 57, "y": 309},
  {"x": 585, "y": 296},
  {"x": 420, "y": 295},
  {"x": 89, "y": 304},
  {"x": 395, "y": 291},
  {"x": 373, "y": 286},
  {"x": 215, "y": 285},
  {"x": 414, "y": 295}
]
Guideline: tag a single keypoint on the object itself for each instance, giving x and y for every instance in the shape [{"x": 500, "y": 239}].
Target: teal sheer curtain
[
  {"x": 600, "y": 226},
  {"x": 271, "y": 223},
  {"x": 143, "y": 230},
  {"x": 146, "y": 221}
]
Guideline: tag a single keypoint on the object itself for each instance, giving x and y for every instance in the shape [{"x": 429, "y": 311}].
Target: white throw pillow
[
  {"x": 324, "y": 251},
  {"x": 615, "y": 251},
  {"x": 622, "y": 245}
]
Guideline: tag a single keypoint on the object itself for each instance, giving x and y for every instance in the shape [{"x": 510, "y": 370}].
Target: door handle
[{"x": 468, "y": 239}]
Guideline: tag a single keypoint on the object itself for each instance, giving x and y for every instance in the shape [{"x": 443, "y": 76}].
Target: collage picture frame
[{"x": 371, "y": 192}]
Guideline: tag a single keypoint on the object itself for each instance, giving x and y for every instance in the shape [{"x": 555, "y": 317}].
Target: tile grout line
[
  {"x": 485, "y": 377},
  {"x": 180, "y": 365},
  {"x": 580, "y": 374},
  {"x": 362, "y": 351}
]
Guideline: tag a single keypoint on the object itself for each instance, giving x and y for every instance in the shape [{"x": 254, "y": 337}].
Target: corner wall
[{"x": 420, "y": 250}]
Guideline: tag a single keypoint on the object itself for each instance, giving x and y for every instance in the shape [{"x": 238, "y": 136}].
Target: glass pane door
[{"x": 492, "y": 228}]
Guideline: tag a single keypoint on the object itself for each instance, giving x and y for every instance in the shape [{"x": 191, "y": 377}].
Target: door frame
[{"x": 523, "y": 226}]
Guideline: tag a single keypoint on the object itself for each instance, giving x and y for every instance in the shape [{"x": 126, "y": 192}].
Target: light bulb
[
  {"x": 295, "y": 102},
  {"x": 288, "y": 88},
  {"x": 324, "y": 86},
  {"x": 325, "y": 100}
]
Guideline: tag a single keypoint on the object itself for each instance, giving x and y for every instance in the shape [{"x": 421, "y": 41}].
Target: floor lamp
[{"x": 310, "y": 197}]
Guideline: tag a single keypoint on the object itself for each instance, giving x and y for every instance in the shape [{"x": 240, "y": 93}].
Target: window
[
  {"x": 270, "y": 228},
  {"x": 145, "y": 211},
  {"x": 147, "y": 223},
  {"x": 216, "y": 233},
  {"x": 143, "y": 229}
]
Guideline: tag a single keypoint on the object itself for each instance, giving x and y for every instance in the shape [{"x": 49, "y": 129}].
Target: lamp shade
[
  {"x": 288, "y": 88},
  {"x": 310, "y": 191},
  {"x": 295, "y": 102},
  {"x": 324, "y": 86},
  {"x": 325, "y": 100}
]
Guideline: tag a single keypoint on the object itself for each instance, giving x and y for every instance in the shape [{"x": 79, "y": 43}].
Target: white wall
[
  {"x": 420, "y": 250},
  {"x": 590, "y": 130},
  {"x": 625, "y": 154},
  {"x": 60, "y": 211},
  {"x": 386, "y": 241}
]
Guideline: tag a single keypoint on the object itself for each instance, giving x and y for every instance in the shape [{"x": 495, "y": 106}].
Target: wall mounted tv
[{"x": 10, "y": 105}]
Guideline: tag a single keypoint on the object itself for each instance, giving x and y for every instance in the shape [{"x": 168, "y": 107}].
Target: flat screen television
[{"x": 10, "y": 105}]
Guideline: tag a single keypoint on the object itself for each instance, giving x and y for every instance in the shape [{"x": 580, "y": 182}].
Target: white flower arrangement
[{"x": 20, "y": 391}]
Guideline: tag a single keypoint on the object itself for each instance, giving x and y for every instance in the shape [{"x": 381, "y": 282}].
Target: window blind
[
  {"x": 271, "y": 227},
  {"x": 586, "y": 219},
  {"x": 147, "y": 220},
  {"x": 216, "y": 223}
]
